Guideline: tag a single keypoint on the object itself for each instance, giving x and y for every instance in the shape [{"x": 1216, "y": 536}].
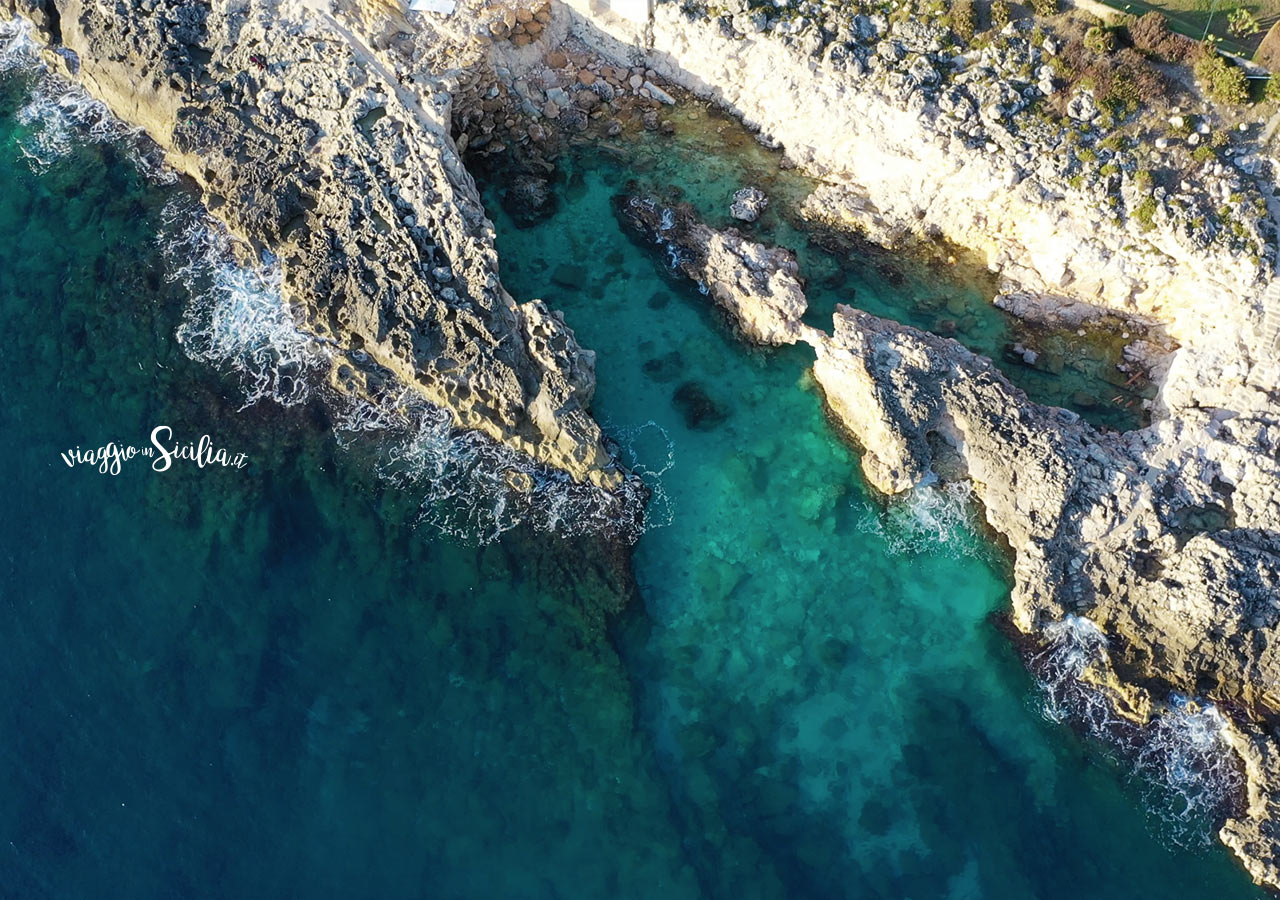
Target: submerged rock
[
  {"x": 700, "y": 411},
  {"x": 529, "y": 200}
]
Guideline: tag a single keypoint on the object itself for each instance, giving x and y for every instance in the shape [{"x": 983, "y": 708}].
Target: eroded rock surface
[
  {"x": 757, "y": 286},
  {"x": 304, "y": 141},
  {"x": 1165, "y": 538},
  {"x": 748, "y": 204}
]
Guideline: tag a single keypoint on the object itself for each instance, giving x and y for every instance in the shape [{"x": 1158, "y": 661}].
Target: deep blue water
[{"x": 279, "y": 681}]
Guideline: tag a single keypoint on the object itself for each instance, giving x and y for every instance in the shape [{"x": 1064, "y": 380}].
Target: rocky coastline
[
  {"x": 1165, "y": 538},
  {"x": 304, "y": 143}
]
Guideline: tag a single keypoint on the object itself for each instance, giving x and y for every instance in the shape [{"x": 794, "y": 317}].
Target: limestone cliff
[
  {"x": 907, "y": 130},
  {"x": 303, "y": 141}
]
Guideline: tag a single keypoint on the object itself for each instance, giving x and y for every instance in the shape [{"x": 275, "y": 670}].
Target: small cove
[
  {"x": 936, "y": 287},
  {"x": 821, "y": 674},
  {"x": 270, "y": 683}
]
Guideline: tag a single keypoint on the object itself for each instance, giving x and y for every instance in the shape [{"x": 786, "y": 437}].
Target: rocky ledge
[
  {"x": 304, "y": 142},
  {"x": 1165, "y": 537},
  {"x": 756, "y": 286}
]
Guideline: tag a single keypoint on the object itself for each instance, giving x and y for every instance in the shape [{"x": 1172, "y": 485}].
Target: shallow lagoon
[{"x": 268, "y": 682}]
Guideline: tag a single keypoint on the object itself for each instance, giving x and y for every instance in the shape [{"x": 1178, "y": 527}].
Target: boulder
[{"x": 748, "y": 204}]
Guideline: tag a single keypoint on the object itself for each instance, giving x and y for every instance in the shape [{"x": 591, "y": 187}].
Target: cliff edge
[{"x": 304, "y": 142}]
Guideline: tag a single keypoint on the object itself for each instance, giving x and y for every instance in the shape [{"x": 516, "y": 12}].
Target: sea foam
[
  {"x": 471, "y": 487},
  {"x": 926, "y": 519},
  {"x": 236, "y": 319},
  {"x": 18, "y": 47},
  {"x": 1181, "y": 760},
  {"x": 59, "y": 115}
]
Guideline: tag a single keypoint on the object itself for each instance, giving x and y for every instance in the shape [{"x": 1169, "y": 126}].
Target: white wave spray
[
  {"x": 472, "y": 488},
  {"x": 60, "y": 116},
  {"x": 925, "y": 519},
  {"x": 236, "y": 319},
  {"x": 1181, "y": 760},
  {"x": 18, "y": 47}
]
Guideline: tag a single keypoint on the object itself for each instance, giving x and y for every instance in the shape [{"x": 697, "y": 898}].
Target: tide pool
[{"x": 281, "y": 681}]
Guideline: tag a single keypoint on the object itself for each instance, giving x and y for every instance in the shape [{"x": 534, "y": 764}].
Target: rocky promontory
[
  {"x": 325, "y": 136},
  {"x": 304, "y": 142},
  {"x": 1163, "y": 537}
]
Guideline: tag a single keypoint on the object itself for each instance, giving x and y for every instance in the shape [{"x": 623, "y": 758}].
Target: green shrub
[
  {"x": 999, "y": 14},
  {"x": 1099, "y": 39},
  {"x": 1045, "y": 7},
  {"x": 1223, "y": 81},
  {"x": 1272, "y": 89},
  {"x": 1145, "y": 214},
  {"x": 1143, "y": 179},
  {"x": 1125, "y": 83},
  {"x": 1203, "y": 153},
  {"x": 1242, "y": 23},
  {"x": 964, "y": 21}
]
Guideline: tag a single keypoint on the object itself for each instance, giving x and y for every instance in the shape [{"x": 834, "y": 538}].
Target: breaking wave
[
  {"x": 236, "y": 319},
  {"x": 60, "y": 116},
  {"x": 926, "y": 519},
  {"x": 472, "y": 488},
  {"x": 649, "y": 453},
  {"x": 18, "y": 47},
  {"x": 1181, "y": 760}
]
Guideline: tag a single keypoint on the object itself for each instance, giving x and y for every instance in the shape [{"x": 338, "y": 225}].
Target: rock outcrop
[
  {"x": 757, "y": 286},
  {"x": 1165, "y": 538},
  {"x": 303, "y": 141},
  {"x": 748, "y": 204}
]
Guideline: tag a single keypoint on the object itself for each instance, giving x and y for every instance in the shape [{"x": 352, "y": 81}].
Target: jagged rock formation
[
  {"x": 756, "y": 285},
  {"x": 1165, "y": 537},
  {"x": 304, "y": 142},
  {"x": 748, "y": 204}
]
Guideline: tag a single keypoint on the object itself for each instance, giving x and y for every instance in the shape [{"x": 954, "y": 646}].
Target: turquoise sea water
[{"x": 269, "y": 682}]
